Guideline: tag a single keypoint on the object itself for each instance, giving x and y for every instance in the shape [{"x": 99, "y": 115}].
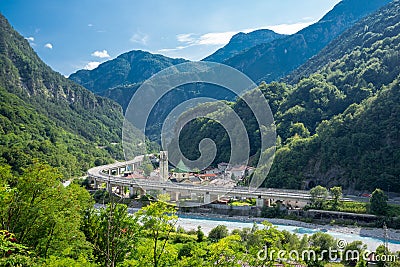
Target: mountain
[
  {"x": 358, "y": 148},
  {"x": 343, "y": 45},
  {"x": 129, "y": 68},
  {"x": 272, "y": 61},
  {"x": 118, "y": 79},
  {"x": 339, "y": 125},
  {"x": 241, "y": 42},
  {"x": 46, "y": 117}
]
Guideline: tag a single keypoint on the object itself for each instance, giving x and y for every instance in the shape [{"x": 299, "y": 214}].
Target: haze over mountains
[{"x": 334, "y": 106}]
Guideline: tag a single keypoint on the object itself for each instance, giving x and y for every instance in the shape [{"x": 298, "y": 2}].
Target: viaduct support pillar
[
  {"x": 131, "y": 191},
  {"x": 260, "y": 202},
  {"x": 95, "y": 185},
  {"x": 207, "y": 198},
  {"x": 174, "y": 196},
  {"x": 108, "y": 187}
]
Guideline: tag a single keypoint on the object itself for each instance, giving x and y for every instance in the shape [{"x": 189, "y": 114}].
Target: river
[{"x": 191, "y": 222}]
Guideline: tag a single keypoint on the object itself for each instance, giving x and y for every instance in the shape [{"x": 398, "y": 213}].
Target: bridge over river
[{"x": 188, "y": 194}]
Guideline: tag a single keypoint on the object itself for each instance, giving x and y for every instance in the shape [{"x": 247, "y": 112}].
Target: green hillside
[
  {"x": 338, "y": 125},
  {"x": 129, "y": 68},
  {"x": 274, "y": 60},
  {"x": 47, "y": 117}
]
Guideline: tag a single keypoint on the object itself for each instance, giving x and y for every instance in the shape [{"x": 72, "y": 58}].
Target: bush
[{"x": 218, "y": 233}]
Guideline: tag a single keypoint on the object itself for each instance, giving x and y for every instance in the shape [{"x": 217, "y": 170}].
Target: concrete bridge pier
[
  {"x": 109, "y": 187},
  {"x": 131, "y": 191},
  {"x": 207, "y": 198},
  {"x": 260, "y": 202},
  {"x": 95, "y": 184},
  {"x": 174, "y": 196}
]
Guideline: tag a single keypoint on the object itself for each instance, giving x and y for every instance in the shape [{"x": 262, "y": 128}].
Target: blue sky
[{"x": 74, "y": 34}]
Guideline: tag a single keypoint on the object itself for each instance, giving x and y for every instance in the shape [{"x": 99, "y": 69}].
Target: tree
[
  {"x": 147, "y": 169},
  {"x": 336, "y": 194},
  {"x": 320, "y": 242},
  {"x": 217, "y": 233},
  {"x": 226, "y": 252},
  {"x": 378, "y": 202},
  {"x": 43, "y": 214},
  {"x": 200, "y": 234},
  {"x": 158, "y": 220},
  {"x": 318, "y": 196},
  {"x": 112, "y": 232},
  {"x": 352, "y": 247}
]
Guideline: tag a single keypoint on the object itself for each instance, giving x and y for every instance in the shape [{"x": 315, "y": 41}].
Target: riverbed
[{"x": 372, "y": 237}]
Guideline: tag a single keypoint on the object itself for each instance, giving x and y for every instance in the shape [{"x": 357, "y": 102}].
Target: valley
[{"x": 274, "y": 144}]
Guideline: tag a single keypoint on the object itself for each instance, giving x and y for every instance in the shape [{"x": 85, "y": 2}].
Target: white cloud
[
  {"x": 215, "y": 38},
  {"x": 289, "y": 28},
  {"x": 185, "y": 38},
  {"x": 91, "y": 65},
  {"x": 219, "y": 39},
  {"x": 101, "y": 54},
  {"x": 90, "y": 25},
  {"x": 30, "y": 39},
  {"x": 139, "y": 38},
  {"x": 49, "y": 46}
]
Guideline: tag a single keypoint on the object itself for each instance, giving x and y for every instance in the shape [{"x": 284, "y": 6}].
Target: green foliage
[
  {"x": 159, "y": 219},
  {"x": 353, "y": 246},
  {"x": 319, "y": 195},
  {"x": 335, "y": 124},
  {"x": 47, "y": 117},
  {"x": 200, "y": 234},
  {"x": 218, "y": 233},
  {"x": 45, "y": 215},
  {"x": 112, "y": 232},
  {"x": 378, "y": 203},
  {"x": 336, "y": 194},
  {"x": 147, "y": 169},
  {"x": 28, "y": 135},
  {"x": 9, "y": 244}
]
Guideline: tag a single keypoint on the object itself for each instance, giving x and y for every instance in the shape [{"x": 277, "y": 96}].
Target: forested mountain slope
[
  {"x": 272, "y": 61},
  {"x": 132, "y": 67},
  {"x": 339, "y": 125},
  {"x": 362, "y": 34},
  {"x": 47, "y": 117}
]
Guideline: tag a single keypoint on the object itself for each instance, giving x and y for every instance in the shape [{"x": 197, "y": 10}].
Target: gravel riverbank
[{"x": 362, "y": 231}]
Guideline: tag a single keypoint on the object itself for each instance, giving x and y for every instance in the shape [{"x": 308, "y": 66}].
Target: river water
[{"x": 191, "y": 222}]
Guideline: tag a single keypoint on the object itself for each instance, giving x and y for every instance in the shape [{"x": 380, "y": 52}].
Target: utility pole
[{"x": 386, "y": 242}]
